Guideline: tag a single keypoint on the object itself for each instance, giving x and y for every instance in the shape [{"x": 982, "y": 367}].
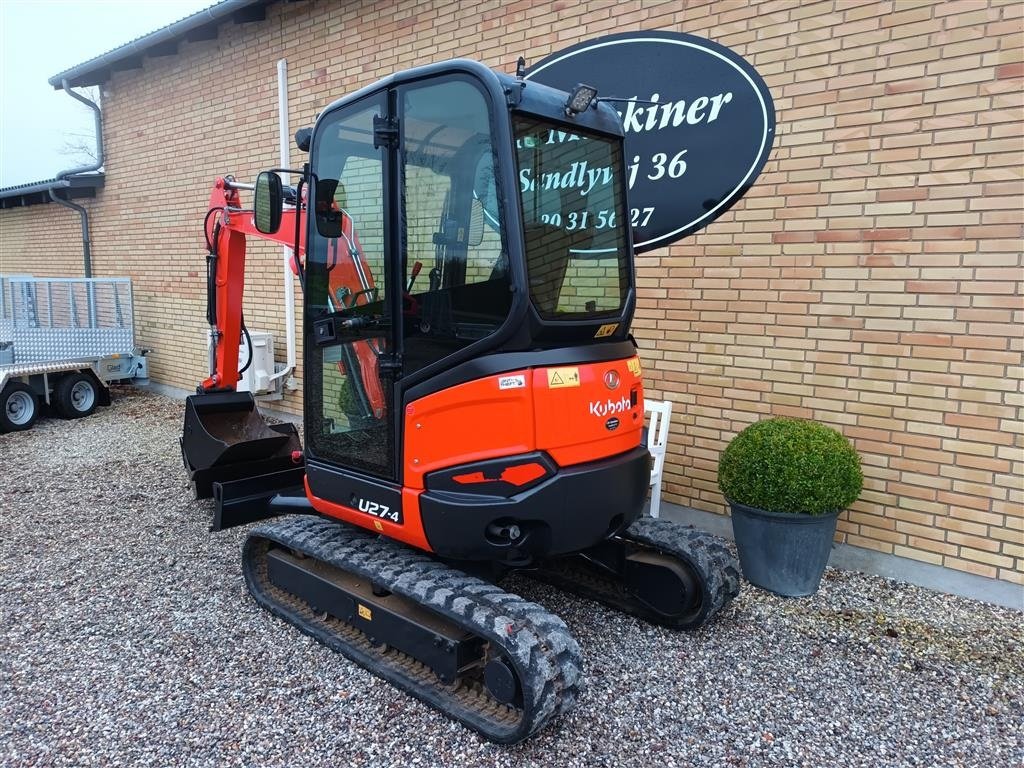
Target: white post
[{"x": 289, "y": 278}]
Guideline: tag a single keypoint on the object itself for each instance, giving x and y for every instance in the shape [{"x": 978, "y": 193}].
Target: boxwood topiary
[{"x": 790, "y": 465}]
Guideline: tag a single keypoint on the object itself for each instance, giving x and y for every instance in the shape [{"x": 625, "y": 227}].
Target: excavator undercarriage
[
  {"x": 498, "y": 663},
  {"x": 486, "y": 420}
]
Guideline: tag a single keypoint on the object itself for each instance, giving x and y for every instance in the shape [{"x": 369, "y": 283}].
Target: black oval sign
[
  {"x": 612, "y": 423},
  {"x": 699, "y": 123}
]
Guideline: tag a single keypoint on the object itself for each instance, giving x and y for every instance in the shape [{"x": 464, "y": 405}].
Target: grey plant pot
[{"x": 783, "y": 553}]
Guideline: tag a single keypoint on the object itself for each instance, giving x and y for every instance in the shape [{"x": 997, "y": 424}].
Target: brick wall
[
  {"x": 872, "y": 278},
  {"x": 42, "y": 240}
]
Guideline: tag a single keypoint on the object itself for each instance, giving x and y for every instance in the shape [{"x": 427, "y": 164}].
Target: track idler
[
  {"x": 225, "y": 439},
  {"x": 663, "y": 572}
]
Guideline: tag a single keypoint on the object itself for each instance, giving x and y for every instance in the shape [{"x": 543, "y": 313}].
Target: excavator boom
[{"x": 226, "y": 228}]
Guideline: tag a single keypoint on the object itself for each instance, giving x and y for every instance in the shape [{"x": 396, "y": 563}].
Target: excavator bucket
[{"x": 225, "y": 439}]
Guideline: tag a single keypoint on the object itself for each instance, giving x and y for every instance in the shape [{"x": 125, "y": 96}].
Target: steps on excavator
[{"x": 500, "y": 664}]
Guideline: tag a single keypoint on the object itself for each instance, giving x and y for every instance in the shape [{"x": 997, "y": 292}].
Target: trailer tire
[
  {"x": 76, "y": 395},
  {"x": 19, "y": 407}
]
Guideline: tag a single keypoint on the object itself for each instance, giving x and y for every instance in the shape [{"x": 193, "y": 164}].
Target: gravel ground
[{"x": 127, "y": 638}]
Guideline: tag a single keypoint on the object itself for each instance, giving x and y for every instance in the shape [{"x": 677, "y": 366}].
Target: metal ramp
[{"x": 51, "y": 319}]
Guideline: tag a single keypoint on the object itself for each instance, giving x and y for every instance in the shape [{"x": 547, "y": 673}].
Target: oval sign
[{"x": 699, "y": 123}]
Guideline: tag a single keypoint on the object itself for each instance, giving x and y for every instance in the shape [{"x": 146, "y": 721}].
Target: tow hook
[{"x": 502, "y": 532}]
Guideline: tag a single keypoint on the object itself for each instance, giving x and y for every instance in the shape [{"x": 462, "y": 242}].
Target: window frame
[{"x": 624, "y": 260}]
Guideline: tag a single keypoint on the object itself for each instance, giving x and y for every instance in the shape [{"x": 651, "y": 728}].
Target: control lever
[
  {"x": 416, "y": 267},
  {"x": 326, "y": 331}
]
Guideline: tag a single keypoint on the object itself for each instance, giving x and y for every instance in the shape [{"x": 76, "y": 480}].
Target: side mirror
[
  {"x": 268, "y": 203},
  {"x": 328, "y": 215}
]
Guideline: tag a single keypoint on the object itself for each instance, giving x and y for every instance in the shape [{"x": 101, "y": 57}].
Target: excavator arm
[
  {"x": 227, "y": 226},
  {"x": 350, "y": 283},
  {"x": 226, "y": 445}
]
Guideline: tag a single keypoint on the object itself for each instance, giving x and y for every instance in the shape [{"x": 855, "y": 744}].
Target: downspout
[
  {"x": 286, "y": 252},
  {"x": 82, "y": 212}
]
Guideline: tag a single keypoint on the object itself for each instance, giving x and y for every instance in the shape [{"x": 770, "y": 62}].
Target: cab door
[
  {"x": 350, "y": 335},
  {"x": 455, "y": 259}
]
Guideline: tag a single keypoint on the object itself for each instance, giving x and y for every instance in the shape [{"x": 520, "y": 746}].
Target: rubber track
[
  {"x": 708, "y": 556},
  {"x": 544, "y": 654}
]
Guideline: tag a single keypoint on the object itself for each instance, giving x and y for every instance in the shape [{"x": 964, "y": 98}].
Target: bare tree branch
[{"x": 82, "y": 146}]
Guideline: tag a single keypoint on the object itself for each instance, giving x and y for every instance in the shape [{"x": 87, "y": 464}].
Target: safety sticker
[
  {"x": 511, "y": 382},
  {"x": 634, "y": 365},
  {"x": 606, "y": 330},
  {"x": 364, "y": 612},
  {"x": 563, "y": 377}
]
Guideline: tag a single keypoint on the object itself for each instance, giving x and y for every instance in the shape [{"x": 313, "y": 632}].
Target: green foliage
[{"x": 790, "y": 465}]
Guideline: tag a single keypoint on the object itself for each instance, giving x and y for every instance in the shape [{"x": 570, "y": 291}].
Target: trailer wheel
[
  {"x": 76, "y": 395},
  {"x": 19, "y": 407}
]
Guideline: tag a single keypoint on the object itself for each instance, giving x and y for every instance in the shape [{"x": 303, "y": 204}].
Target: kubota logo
[{"x": 609, "y": 407}]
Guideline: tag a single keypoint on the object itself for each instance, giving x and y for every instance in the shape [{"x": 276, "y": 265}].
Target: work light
[{"x": 580, "y": 99}]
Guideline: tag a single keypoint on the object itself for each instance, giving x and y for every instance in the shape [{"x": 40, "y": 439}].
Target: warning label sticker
[
  {"x": 563, "y": 377},
  {"x": 633, "y": 364}
]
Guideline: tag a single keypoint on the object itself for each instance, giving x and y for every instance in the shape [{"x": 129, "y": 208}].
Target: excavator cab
[{"x": 463, "y": 224}]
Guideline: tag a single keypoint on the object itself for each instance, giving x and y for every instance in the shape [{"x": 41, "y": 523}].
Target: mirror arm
[{"x": 300, "y": 269}]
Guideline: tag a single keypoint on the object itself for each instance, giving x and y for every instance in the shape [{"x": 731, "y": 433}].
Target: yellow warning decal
[
  {"x": 634, "y": 365},
  {"x": 563, "y": 377},
  {"x": 377, "y": 525},
  {"x": 606, "y": 330},
  {"x": 364, "y": 612}
]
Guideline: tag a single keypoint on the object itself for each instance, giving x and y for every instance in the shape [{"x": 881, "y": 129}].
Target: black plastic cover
[{"x": 572, "y": 510}]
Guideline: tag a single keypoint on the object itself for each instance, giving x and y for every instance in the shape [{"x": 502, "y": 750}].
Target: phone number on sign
[{"x": 595, "y": 219}]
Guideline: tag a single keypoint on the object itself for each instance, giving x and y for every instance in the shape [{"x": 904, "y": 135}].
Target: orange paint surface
[
  {"x": 410, "y": 531},
  {"x": 466, "y": 423},
  {"x": 478, "y": 420}
]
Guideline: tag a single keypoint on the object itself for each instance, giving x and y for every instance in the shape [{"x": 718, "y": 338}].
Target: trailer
[{"x": 63, "y": 341}]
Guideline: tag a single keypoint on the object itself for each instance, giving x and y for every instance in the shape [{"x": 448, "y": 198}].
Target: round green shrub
[{"x": 790, "y": 465}]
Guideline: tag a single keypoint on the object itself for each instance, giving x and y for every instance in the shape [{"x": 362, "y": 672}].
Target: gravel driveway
[{"x": 127, "y": 638}]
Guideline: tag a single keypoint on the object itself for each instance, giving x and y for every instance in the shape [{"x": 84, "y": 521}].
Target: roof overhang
[
  {"x": 36, "y": 192},
  {"x": 202, "y": 25}
]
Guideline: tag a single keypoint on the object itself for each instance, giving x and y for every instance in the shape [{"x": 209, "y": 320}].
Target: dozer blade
[{"x": 226, "y": 439}]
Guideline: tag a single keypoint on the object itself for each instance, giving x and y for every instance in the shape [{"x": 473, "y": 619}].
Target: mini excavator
[{"x": 474, "y": 401}]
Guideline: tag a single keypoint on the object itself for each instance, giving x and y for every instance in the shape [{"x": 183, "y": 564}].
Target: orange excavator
[{"x": 483, "y": 419}]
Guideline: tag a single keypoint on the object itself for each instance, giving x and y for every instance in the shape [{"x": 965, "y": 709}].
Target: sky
[{"x": 38, "y": 39}]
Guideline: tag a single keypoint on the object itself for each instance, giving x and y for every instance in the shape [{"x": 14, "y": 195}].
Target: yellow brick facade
[
  {"x": 42, "y": 240},
  {"x": 871, "y": 279}
]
